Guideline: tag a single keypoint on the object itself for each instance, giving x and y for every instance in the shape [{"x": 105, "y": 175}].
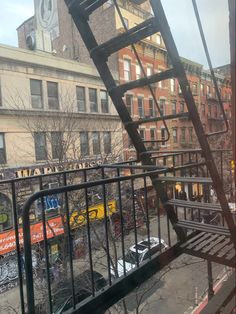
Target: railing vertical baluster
[
  {"x": 89, "y": 234},
  {"x": 134, "y": 219},
  {"x": 121, "y": 223},
  {"x": 46, "y": 249},
  {"x": 147, "y": 213},
  {"x": 106, "y": 228},
  {"x": 70, "y": 246},
  {"x": 18, "y": 251}
]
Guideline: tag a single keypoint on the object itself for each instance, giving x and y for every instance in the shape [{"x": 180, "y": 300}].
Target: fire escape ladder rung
[
  {"x": 84, "y": 7},
  {"x": 125, "y": 39},
  {"x": 152, "y": 79}
]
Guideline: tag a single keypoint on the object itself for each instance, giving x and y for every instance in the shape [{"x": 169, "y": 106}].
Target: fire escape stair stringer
[{"x": 80, "y": 11}]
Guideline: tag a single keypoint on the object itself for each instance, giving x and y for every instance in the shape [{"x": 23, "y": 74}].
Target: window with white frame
[
  {"x": 158, "y": 39},
  {"x": 2, "y": 149},
  {"x": 163, "y": 136},
  {"x": 129, "y": 103},
  {"x": 172, "y": 85},
  {"x": 175, "y": 135},
  {"x": 183, "y": 135},
  {"x": 96, "y": 143},
  {"x": 138, "y": 71},
  {"x": 84, "y": 144},
  {"x": 152, "y": 134},
  {"x": 127, "y": 70},
  {"x": 40, "y": 146},
  {"x": 149, "y": 70},
  {"x": 151, "y": 107},
  {"x": 57, "y": 145},
  {"x": 140, "y": 107},
  {"x": 107, "y": 142},
  {"x": 202, "y": 89},
  {"x": 36, "y": 94},
  {"x": 160, "y": 84},
  {"x": 162, "y": 104},
  {"x": 104, "y": 101},
  {"x": 53, "y": 100},
  {"x": 173, "y": 104},
  {"x": 142, "y": 134},
  {"x": 93, "y": 102},
  {"x": 81, "y": 100}
]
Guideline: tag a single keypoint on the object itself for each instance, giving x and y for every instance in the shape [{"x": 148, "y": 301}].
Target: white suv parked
[{"x": 139, "y": 252}]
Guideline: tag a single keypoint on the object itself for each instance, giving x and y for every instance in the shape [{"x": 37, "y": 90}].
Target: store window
[
  {"x": 2, "y": 149},
  {"x": 81, "y": 100},
  {"x": 53, "y": 101},
  {"x": 84, "y": 144},
  {"x": 127, "y": 70},
  {"x": 36, "y": 94},
  {"x": 104, "y": 101},
  {"x": 107, "y": 142},
  {"x": 40, "y": 146},
  {"x": 93, "y": 100},
  {"x": 96, "y": 143}
]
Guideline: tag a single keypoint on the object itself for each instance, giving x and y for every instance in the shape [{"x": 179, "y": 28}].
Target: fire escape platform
[{"x": 216, "y": 248}]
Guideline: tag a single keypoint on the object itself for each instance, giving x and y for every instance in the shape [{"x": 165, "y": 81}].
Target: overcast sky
[{"x": 214, "y": 15}]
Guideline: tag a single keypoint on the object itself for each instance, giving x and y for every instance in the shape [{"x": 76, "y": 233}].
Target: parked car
[
  {"x": 62, "y": 299},
  {"x": 139, "y": 252}
]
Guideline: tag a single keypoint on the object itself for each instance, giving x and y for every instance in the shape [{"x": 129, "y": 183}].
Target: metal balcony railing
[{"x": 77, "y": 222}]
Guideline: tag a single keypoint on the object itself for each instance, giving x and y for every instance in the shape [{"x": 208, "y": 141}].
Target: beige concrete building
[{"x": 53, "y": 110}]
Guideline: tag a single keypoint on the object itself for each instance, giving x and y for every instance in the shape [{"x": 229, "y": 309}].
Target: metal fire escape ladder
[{"x": 80, "y": 11}]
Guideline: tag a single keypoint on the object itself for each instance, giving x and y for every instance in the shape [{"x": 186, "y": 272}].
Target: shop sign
[
  {"x": 54, "y": 227},
  {"x": 96, "y": 212}
]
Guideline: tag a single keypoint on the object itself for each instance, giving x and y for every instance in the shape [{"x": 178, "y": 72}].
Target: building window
[
  {"x": 40, "y": 146},
  {"x": 93, "y": 100},
  {"x": 190, "y": 135},
  {"x": 96, "y": 143},
  {"x": 138, "y": 71},
  {"x": 151, "y": 107},
  {"x": 127, "y": 70},
  {"x": 81, "y": 101},
  {"x": 140, "y": 107},
  {"x": 163, "y": 136},
  {"x": 149, "y": 70},
  {"x": 202, "y": 89},
  {"x": 194, "y": 89},
  {"x": 2, "y": 149},
  {"x": 158, "y": 38},
  {"x": 107, "y": 142},
  {"x": 129, "y": 103},
  {"x": 84, "y": 144},
  {"x": 152, "y": 134},
  {"x": 126, "y": 21},
  {"x": 142, "y": 134},
  {"x": 53, "y": 102},
  {"x": 181, "y": 107},
  {"x": 208, "y": 90},
  {"x": 203, "y": 109},
  {"x": 172, "y": 85},
  {"x": 183, "y": 137},
  {"x": 162, "y": 106},
  {"x": 175, "y": 135},
  {"x": 57, "y": 145},
  {"x": 104, "y": 101},
  {"x": 36, "y": 94},
  {"x": 173, "y": 107}
]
